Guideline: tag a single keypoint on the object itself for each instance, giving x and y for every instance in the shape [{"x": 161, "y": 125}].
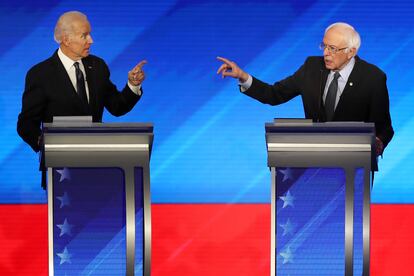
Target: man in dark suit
[
  {"x": 336, "y": 87},
  {"x": 73, "y": 83}
]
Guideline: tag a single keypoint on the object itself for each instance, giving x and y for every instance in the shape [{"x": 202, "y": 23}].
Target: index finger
[
  {"x": 225, "y": 60},
  {"x": 139, "y": 65}
]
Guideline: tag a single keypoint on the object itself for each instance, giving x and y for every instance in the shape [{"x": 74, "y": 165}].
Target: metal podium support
[
  {"x": 346, "y": 146},
  {"x": 124, "y": 147}
]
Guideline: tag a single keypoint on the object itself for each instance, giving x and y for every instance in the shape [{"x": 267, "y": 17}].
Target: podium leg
[
  {"x": 366, "y": 222},
  {"x": 273, "y": 223},
  {"x": 130, "y": 221},
  {"x": 50, "y": 219},
  {"x": 147, "y": 220},
  {"x": 349, "y": 223}
]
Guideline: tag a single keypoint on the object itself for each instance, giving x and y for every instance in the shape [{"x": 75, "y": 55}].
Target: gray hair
[
  {"x": 64, "y": 25},
  {"x": 352, "y": 38}
]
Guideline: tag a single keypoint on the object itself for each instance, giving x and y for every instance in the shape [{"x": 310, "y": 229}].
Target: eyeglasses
[{"x": 331, "y": 49}]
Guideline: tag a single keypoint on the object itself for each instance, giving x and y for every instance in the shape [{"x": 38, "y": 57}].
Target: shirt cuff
[
  {"x": 135, "y": 89},
  {"x": 246, "y": 85}
]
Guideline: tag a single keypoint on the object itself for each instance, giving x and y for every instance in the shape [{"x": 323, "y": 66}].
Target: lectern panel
[
  {"x": 310, "y": 221},
  {"x": 90, "y": 221}
]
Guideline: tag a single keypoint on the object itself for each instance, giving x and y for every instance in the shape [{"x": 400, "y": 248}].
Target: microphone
[{"x": 318, "y": 118}]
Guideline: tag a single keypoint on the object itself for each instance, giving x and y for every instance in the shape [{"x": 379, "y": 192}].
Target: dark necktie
[
  {"x": 331, "y": 97},
  {"x": 80, "y": 84}
]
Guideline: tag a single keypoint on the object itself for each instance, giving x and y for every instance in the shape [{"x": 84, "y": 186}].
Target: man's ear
[
  {"x": 66, "y": 40},
  {"x": 351, "y": 52}
]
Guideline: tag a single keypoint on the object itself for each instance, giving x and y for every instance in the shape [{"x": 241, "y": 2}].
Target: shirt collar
[
  {"x": 346, "y": 71},
  {"x": 67, "y": 61}
]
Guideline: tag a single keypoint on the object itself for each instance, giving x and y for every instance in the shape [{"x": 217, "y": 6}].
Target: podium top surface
[
  {"x": 98, "y": 127},
  {"x": 327, "y": 127}
]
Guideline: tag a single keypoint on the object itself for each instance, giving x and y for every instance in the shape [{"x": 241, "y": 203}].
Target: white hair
[
  {"x": 64, "y": 25},
  {"x": 352, "y": 38}
]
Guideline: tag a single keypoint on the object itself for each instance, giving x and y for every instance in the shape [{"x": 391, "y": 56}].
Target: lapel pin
[
  {"x": 351, "y": 84},
  {"x": 90, "y": 67}
]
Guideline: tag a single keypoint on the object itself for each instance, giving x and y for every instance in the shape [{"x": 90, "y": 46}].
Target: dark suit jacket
[
  {"x": 365, "y": 96},
  {"x": 49, "y": 92}
]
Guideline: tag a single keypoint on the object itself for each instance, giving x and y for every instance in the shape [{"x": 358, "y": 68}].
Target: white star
[
  {"x": 287, "y": 174},
  {"x": 64, "y": 200},
  {"x": 64, "y": 256},
  {"x": 65, "y": 228},
  {"x": 288, "y": 227},
  {"x": 64, "y": 174},
  {"x": 287, "y": 256},
  {"x": 287, "y": 199}
]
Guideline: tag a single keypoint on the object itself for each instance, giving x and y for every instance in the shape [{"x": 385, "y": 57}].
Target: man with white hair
[
  {"x": 73, "y": 83},
  {"x": 336, "y": 87}
]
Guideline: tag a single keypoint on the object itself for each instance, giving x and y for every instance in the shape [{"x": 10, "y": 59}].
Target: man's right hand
[
  {"x": 136, "y": 76},
  {"x": 230, "y": 68}
]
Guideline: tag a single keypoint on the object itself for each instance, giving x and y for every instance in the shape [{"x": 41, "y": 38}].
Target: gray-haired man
[{"x": 338, "y": 86}]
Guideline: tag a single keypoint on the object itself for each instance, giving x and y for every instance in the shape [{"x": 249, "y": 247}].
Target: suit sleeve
[
  {"x": 281, "y": 91},
  {"x": 33, "y": 104},
  {"x": 118, "y": 103},
  {"x": 380, "y": 111}
]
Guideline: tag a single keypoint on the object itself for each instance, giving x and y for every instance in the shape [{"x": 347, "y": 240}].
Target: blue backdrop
[{"x": 209, "y": 139}]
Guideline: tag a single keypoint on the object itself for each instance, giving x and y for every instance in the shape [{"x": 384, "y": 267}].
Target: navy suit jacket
[
  {"x": 364, "y": 99},
  {"x": 49, "y": 92}
]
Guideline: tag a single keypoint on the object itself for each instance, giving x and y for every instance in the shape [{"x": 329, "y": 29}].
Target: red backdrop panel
[{"x": 206, "y": 239}]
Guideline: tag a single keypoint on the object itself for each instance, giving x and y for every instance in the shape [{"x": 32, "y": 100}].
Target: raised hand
[
  {"x": 231, "y": 69},
  {"x": 136, "y": 76}
]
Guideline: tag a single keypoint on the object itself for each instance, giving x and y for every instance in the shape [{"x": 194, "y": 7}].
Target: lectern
[
  {"x": 98, "y": 187},
  {"x": 321, "y": 184}
]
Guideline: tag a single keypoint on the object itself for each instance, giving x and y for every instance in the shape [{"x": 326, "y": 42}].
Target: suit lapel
[
  {"x": 319, "y": 96},
  {"x": 63, "y": 77},
  {"x": 91, "y": 82},
  {"x": 65, "y": 85},
  {"x": 324, "y": 77}
]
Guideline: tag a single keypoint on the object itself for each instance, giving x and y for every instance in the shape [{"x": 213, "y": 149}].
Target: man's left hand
[
  {"x": 379, "y": 146},
  {"x": 136, "y": 76}
]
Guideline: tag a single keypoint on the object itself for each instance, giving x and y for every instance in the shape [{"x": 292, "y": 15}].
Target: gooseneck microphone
[{"x": 320, "y": 94}]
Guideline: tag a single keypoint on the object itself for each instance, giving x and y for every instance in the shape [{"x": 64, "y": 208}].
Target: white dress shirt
[
  {"x": 342, "y": 80},
  {"x": 68, "y": 63}
]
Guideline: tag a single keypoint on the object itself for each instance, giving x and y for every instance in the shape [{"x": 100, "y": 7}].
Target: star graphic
[
  {"x": 287, "y": 199},
  {"x": 64, "y": 256},
  {"x": 288, "y": 227},
  {"x": 64, "y": 174},
  {"x": 287, "y": 256},
  {"x": 64, "y": 200},
  {"x": 287, "y": 174},
  {"x": 65, "y": 228}
]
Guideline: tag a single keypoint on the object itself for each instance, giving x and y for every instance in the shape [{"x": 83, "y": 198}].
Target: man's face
[
  {"x": 335, "y": 40},
  {"x": 79, "y": 41}
]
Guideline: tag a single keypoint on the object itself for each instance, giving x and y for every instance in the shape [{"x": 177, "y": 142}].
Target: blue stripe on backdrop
[
  {"x": 20, "y": 17},
  {"x": 209, "y": 143}
]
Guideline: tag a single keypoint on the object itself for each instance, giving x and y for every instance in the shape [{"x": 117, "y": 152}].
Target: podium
[
  {"x": 320, "y": 207},
  {"x": 98, "y": 188}
]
